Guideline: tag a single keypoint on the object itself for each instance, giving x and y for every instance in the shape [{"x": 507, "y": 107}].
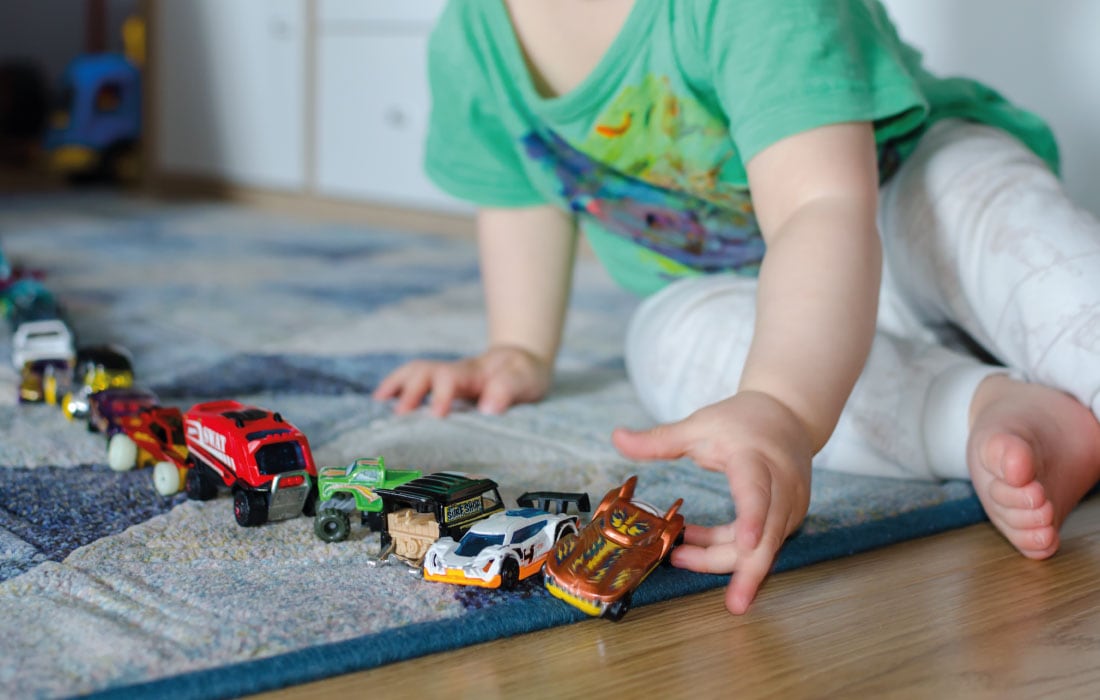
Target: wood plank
[{"x": 957, "y": 614}]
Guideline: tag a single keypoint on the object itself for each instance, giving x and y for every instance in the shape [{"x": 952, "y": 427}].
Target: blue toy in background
[{"x": 97, "y": 126}]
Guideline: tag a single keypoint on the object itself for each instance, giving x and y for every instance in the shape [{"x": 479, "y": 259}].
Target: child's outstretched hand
[
  {"x": 500, "y": 377},
  {"x": 765, "y": 453}
]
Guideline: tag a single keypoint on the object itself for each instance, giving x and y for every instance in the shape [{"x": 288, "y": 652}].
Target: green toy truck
[{"x": 352, "y": 488}]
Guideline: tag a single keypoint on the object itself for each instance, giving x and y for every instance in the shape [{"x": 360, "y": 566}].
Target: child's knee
[{"x": 686, "y": 345}]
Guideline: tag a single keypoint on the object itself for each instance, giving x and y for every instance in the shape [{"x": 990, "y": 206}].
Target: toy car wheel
[
  {"x": 166, "y": 478},
  {"x": 49, "y": 389},
  {"x": 332, "y": 525},
  {"x": 563, "y": 530},
  {"x": 619, "y": 608},
  {"x": 67, "y": 404},
  {"x": 122, "y": 453},
  {"x": 199, "y": 486},
  {"x": 509, "y": 574},
  {"x": 249, "y": 507}
]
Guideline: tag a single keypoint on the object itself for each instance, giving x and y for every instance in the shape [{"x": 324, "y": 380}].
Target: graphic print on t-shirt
[{"x": 650, "y": 172}]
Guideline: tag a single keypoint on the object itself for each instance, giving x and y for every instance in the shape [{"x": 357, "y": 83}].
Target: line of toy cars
[
  {"x": 596, "y": 568},
  {"x": 456, "y": 528},
  {"x": 263, "y": 460},
  {"x": 42, "y": 344}
]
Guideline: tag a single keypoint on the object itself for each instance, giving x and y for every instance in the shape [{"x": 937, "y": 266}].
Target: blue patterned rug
[{"x": 109, "y": 589}]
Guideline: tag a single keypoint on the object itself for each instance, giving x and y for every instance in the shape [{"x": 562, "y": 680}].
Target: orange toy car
[{"x": 598, "y": 570}]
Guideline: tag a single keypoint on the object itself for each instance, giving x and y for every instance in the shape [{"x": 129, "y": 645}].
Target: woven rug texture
[{"x": 107, "y": 588}]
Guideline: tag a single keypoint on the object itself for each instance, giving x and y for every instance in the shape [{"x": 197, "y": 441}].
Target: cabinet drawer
[
  {"x": 229, "y": 89},
  {"x": 338, "y": 15},
  {"x": 372, "y": 117}
]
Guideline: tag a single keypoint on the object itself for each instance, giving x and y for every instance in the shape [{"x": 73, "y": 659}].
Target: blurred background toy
[{"x": 95, "y": 128}]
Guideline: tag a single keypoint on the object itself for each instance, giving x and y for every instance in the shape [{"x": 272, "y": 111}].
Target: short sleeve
[
  {"x": 781, "y": 68},
  {"x": 470, "y": 153}
]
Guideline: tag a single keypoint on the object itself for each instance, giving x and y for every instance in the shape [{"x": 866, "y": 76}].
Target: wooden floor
[{"x": 951, "y": 616}]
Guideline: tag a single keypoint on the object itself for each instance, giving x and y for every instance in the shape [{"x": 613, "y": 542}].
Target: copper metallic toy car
[{"x": 598, "y": 570}]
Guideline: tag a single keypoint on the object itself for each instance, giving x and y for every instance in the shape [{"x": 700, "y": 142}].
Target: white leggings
[{"x": 984, "y": 255}]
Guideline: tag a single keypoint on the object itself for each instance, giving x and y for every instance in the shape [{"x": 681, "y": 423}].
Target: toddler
[{"x": 847, "y": 262}]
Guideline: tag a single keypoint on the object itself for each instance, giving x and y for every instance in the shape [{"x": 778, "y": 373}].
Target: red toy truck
[{"x": 263, "y": 459}]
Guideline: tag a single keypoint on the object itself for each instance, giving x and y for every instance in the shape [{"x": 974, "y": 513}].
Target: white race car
[
  {"x": 47, "y": 339},
  {"x": 500, "y": 550}
]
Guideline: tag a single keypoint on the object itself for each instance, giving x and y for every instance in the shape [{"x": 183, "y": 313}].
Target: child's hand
[
  {"x": 500, "y": 377},
  {"x": 764, "y": 450}
]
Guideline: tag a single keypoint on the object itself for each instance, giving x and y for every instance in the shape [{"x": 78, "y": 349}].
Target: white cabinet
[
  {"x": 229, "y": 90},
  {"x": 372, "y": 102},
  {"x": 337, "y": 15},
  {"x": 316, "y": 97}
]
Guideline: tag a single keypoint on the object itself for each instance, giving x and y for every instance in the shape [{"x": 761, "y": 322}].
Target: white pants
[{"x": 985, "y": 257}]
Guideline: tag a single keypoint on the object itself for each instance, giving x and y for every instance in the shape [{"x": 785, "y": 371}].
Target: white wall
[{"x": 1042, "y": 54}]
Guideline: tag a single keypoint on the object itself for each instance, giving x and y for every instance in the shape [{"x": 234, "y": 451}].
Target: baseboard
[{"x": 306, "y": 205}]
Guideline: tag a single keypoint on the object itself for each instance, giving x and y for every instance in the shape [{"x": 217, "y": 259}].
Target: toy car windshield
[
  {"x": 472, "y": 544},
  {"x": 280, "y": 457},
  {"x": 109, "y": 357}
]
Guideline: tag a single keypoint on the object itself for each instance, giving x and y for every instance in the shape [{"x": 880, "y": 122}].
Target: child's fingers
[
  {"x": 389, "y": 386},
  {"x": 745, "y": 583},
  {"x": 413, "y": 392},
  {"x": 755, "y": 564},
  {"x": 751, "y": 488},
  {"x": 443, "y": 392},
  {"x": 661, "y": 442},
  {"x": 707, "y": 536},
  {"x": 497, "y": 396},
  {"x": 715, "y": 559}
]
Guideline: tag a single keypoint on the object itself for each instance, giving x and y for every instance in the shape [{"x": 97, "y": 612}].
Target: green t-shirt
[{"x": 649, "y": 150}]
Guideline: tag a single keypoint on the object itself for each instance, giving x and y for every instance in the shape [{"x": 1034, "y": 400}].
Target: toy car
[
  {"x": 39, "y": 380},
  {"x": 444, "y": 504},
  {"x": 97, "y": 128},
  {"x": 45, "y": 339},
  {"x": 154, "y": 436},
  {"x": 24, "y": 298},
  {"x": 108, "y": 407},
  {"x": 353, "y": 488},
  {"x": 263, "y": 459},
  {"x": 505, "y": 548},
  {"x": 97, "y": 368},
  {"x": 598, "y": 570}
]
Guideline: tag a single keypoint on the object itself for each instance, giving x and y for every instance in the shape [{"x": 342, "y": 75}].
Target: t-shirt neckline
[{"x": 591, "y": 91}]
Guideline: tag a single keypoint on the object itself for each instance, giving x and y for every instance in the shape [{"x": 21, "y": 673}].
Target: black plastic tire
[
  {"x": 249, "y": 507},
  {"x": 332, "y": 525},
  {"x": 618, "y": 610},
  {"x": 199, "y": 485},
  {"x": 509, "y": 574}
]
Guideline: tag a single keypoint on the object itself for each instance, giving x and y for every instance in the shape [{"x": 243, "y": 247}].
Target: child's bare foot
[{"x": 1033, "y": 453}]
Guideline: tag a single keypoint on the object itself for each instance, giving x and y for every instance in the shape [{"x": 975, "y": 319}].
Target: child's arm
[
  {"x": 526, "y": 267},
  {"x": 815, "y": 196}
]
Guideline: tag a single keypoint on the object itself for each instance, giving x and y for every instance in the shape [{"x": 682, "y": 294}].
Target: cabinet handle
[
  {"x": 395, "y": 117},
  {"x": 279, "y": 28}
]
